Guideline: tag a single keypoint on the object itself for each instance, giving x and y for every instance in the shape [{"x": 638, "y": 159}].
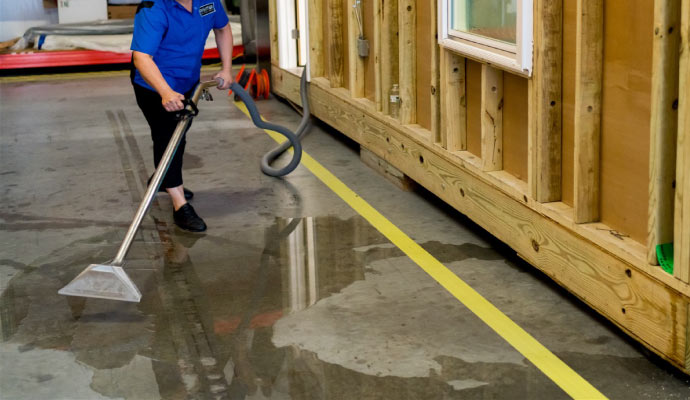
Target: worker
[{"x": 167, "y": 47}]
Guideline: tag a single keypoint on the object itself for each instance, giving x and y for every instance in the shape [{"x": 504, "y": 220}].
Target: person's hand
[
  {"x": 226, "y": 76},
  {"x": 172, "y": 101}
]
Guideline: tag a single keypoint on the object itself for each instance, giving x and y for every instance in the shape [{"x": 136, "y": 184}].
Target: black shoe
[
  {"x": 188, "y": 194},
  {"x": 187, "y": 219}
]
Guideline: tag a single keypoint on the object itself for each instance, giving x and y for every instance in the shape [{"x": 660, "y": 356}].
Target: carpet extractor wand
[{"x": 109, "y": 280}]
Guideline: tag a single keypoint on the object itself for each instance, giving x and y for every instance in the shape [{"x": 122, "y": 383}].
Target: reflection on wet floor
[
  {"x": 211, "y": 324},
  {"x": 319, "y": 307}
]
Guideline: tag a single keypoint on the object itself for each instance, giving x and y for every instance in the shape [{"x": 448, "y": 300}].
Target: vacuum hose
[{"x": 293, "y": 138}]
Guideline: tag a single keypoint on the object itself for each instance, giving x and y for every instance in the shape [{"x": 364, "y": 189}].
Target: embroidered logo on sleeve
[{"x": 207, "y": 9}]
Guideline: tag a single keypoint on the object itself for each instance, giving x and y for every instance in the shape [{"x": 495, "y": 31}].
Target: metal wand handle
[{"x": 157, "y": 178}]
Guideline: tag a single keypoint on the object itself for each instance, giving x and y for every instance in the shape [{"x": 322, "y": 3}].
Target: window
[{"x": 495, "y": 31}]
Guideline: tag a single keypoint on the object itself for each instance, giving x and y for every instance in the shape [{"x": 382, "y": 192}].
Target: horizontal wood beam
[
  {"x": 588, "y": 90},
  {"x": 492, "y": 118},
  {"x": 663, "y": 126}
]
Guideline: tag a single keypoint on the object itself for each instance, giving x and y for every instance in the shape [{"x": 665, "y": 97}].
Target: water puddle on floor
[{"x": 313, "y": 308}]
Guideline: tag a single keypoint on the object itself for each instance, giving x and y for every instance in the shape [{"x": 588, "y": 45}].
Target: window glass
[{"x": 493, "y": 19}]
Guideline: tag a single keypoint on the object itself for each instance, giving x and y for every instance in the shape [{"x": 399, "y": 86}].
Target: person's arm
[
  {"x": 171, "y": 100},
  {"x": 224, "y": 42}
]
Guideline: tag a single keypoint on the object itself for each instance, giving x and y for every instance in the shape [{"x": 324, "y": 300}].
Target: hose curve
[{"x": 293, "y": 138}]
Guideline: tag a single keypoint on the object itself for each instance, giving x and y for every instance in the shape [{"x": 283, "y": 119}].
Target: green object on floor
[{"x": 664, "y": 253}]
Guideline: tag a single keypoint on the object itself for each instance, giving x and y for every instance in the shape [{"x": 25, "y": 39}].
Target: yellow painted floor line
[{"x": 553, "y": 367}]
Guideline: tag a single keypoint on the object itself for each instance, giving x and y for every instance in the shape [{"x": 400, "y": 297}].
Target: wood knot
[{"x": 535, "y": 245}]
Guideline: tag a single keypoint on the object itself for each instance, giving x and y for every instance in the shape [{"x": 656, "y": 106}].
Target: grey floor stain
[
  {"x": 236, "y": 311},
  {"x": 192, "y": 161},
  {"x": 106, "y": 335},
  {"x": 23, "y": 222}
]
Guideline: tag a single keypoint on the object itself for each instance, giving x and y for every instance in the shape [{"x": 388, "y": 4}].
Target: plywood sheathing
[
  {"x": 515, "y": 123},
  {"x": 664, "y": 125},
  {"x": 682, "y": 209},
  {"x": 626, "y": 116},
  {"x": 473, "y": 94}
]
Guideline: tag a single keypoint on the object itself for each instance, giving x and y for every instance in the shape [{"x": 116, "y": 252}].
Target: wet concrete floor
[{"x": 290, "y": 294}]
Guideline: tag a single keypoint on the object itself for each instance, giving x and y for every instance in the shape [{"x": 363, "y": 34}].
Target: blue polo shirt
[{"x": 175, "y": 38}]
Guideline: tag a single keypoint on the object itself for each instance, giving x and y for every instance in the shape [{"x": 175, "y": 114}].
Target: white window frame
[
  {"x": 292, "y": 15},
  {"x": 512, "y": 57}
]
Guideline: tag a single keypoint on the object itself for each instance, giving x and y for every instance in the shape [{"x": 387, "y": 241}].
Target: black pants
[{"x": 162, "y": 124}]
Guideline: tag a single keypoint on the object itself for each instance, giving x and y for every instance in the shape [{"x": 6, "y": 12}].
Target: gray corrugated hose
[{"x": 294, "y": 139}]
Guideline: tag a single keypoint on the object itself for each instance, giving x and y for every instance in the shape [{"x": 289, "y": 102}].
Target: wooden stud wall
[
  {"x": 453, "y": 131},
  {"x": 516, "y": 126},
  {"x": 536, "y": 161},
  {"x": 492, "y": 119},
  {"x": 435, "y": 73},
  {"x": 389, "y": 50},
  {"x": 473, "y": 101},
  {"x": 626, "y": 116},
  {"x": 378, "y": 81},
  {"x": 544, "y": 164},
  {"x": 356, "y": 62},
  {"x": 316, "y": 47},
  {"x": 664, "y": 125},
  {"x": 407, "y": 14},
  {"x": 589, "y": 70},
  {"x": 682, "y": 209},
  {"x": 424, "y": 67},
  {"x": 370, "y": 33},
  {"x": 334, "y": 28}
]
